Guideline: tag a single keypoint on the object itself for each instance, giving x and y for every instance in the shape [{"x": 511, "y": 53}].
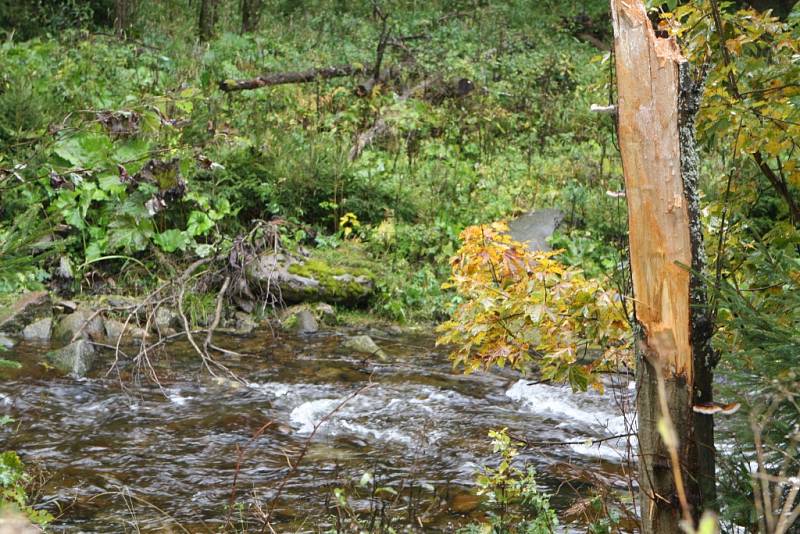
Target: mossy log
[{"x": 293, "y": 280}]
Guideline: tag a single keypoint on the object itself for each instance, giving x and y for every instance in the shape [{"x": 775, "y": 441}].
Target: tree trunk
[
  {"x": 123, "y": 16},
  {"x": 208, "y": 17},
  {"x": 657, "y": 103},
  {"x": 251, "y": 14}
]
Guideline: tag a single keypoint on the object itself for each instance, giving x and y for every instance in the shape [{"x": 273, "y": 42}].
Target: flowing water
[{"x": 120, "y": 452}]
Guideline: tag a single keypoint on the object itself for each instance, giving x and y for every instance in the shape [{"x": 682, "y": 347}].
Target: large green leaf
[
  {"x": 125, "y": 234},
  {"x": 172, "y": 240},
  {"x": 86, "y": 150}
]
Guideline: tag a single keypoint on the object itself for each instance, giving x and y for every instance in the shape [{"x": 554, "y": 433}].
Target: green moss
[{"x": 333, "y": 289}]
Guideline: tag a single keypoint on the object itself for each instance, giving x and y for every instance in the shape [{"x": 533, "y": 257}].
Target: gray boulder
[
  {"x": 535, "y": 227},
  {"x": 305, "y": 322},
  {"x": 364, "y": 344},
  {"x": 75, "y": 360},
  {"x": 115, "y": 329},
  {"x": 83, "y": 323},
  {"x": 41, "y": 330},
  {"x": 28, "y": 308}
]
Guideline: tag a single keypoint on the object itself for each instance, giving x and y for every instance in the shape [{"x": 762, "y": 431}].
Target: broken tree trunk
[
  {"x": 657, "y": 103},
  {"x": 280, "y": 78}
]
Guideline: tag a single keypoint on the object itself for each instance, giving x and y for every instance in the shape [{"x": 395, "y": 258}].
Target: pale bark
[{"x": 656, "y": 108}]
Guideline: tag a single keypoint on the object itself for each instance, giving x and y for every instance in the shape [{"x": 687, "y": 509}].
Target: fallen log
[{"x": 281, "y": 78}]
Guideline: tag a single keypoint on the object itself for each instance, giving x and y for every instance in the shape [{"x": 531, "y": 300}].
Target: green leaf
[
  {"x": 366, "y": 479},
  {"x": 199, "y": 223},
  {"x": 172, "y": 240},
  {"x": 11, "y": 468},
  {"x": 125, "y": 234},
  {"x": 131, "y": 150},
  {"x": 204, "y": 250},
  {"x": 86, "y": 150},
  {"x": 109, "y": 182},
  {"x": 9, "y": 364}
]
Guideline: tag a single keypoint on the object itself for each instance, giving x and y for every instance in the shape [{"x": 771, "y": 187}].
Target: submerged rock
[
  {"x": 83, "y": 323},
  {"x": 28, "y": 308},
  {"x": 464, "y": 503},
  {"x": 299, "y": 280},
  {"x": 39, "y": 331},
  {"x": 364, "y": 344},
  {"x": 75, "y": 360}
]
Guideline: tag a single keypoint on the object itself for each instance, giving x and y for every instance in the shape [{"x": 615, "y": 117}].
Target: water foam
[
  {"x": 558, "y": 402},
  {"x": 308, "y": 415}
]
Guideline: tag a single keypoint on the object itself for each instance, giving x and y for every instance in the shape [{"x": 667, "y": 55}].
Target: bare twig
[{"x": 294, "y": 465}]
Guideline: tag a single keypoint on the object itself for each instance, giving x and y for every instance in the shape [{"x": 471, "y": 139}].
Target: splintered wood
[{"x": 648, "y": 84}]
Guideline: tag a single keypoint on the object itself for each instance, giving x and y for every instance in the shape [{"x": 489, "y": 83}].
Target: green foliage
[
  {"x": 13, "y": 493},
  {"x": 24, "y": 244},
  {"x": 521, "y": 307},
  {"x": 516, "y": 503},
  {"x": 583, "y": 250},
  {"x": 96, "y": 104}
]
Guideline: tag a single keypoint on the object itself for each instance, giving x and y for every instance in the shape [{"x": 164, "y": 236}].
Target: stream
[{"x": 119, "y": 452}]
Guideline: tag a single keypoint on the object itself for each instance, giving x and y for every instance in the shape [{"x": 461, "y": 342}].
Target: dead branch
[
  {"x": 379, "y": 130},
  {"x": 294, "y": 466},
  {"x": 591, "y": 39},
  {"x": 217, "y": 314},
  {"x": 281, "y": 78}
]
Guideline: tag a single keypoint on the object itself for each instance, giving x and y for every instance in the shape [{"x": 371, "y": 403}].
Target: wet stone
[
  {"x": 83, "y": 323},
  {"x": 463, "y": 503},
  {"x": 41, "y": 330},
  {"x": 115, "y": 329},
  {"x": 305, "y": 322},
  {"x": 245, "y": 324},
  {"x": 365, "y": 345},
  {"x": 29, "y": 307},
  {"x": 167, "y": 321},
  {"x": 75, "y": 360}
]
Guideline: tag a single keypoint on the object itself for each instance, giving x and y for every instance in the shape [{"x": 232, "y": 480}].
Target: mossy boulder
[
  {"x": 28, "y": 308},
  {"x": 296, "y": 280}
]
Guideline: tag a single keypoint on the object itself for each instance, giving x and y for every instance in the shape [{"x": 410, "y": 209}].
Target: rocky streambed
[{"x": 120, "y": 451}]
